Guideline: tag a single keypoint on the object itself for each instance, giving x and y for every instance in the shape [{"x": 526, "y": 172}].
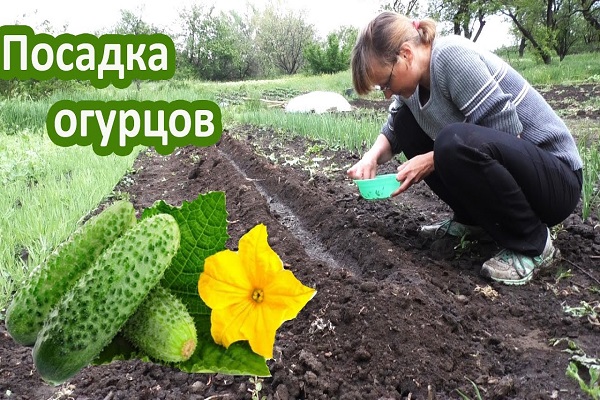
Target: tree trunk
[
  {"x": 587, "y": 14},
  {"x": 481, "y": 25},
  {"x": 546, "y": 57},
  {"x": 522, "y": 45}
]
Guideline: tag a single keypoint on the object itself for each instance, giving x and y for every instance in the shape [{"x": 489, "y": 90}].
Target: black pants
[{"x": 508, "y": 186}]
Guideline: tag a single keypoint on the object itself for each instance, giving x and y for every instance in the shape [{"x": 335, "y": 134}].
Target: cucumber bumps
[
  {"x": 162, "y": 327},
  {"x": 90, "y": 314},
  {"x": 61, "y": 269}
]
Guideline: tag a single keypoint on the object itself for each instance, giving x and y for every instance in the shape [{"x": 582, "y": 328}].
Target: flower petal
[
  {"x": 288, "y": 293},
  {"x": 250, "y": 293},
  {"x": 256, "y": 254},
  {"x": 260, "y": 329},
  {"x": 226, "y": 323},
  {"x": 224, "y": 281}
]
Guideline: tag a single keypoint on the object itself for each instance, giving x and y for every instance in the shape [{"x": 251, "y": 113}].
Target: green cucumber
[
  {"x": 91, "y": 313},
  {"x": 162, "y": 327},
  {"x": 50, "y": 280}
]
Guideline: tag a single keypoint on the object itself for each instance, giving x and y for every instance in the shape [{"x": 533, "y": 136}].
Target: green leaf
[
  {"x": 203, "y": 227},
  {"x": 238, "y": 359}
]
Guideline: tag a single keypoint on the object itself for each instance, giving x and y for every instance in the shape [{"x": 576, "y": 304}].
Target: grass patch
[
  {"x": 575, "y": 68},
  {"x": 46, "y": 191},
  {"x": 352, "y": 131}
]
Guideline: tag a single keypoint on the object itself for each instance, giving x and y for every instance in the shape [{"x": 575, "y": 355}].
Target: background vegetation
[
  {"x": 275, "y": 40},
  {"x": 250, "y": 64}
]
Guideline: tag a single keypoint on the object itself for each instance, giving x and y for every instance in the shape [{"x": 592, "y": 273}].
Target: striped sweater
[{"x": 476, "y": 86}]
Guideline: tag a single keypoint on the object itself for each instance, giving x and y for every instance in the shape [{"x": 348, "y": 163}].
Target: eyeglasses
[{"x": 387, "y": 87}]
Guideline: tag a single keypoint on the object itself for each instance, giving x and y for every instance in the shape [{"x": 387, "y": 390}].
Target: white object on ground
[{"x": 318, "y": 102}]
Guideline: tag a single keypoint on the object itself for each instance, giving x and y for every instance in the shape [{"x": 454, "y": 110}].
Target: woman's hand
[
  {"x": 379, "y": 153},
  {"x": 366, "y": 168},
  {"x": 414, "y": 171}
]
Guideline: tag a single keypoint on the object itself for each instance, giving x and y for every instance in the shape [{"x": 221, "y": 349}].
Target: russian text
[
  {"x": 108, "y": 59},
  {"x": 118, "y": 126}
]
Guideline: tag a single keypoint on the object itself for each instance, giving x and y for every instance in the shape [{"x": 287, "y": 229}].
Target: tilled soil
[{"x": 394, "y": 317}]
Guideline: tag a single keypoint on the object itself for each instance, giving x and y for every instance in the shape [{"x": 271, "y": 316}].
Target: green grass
[
  {"x": 46, "y": 190},
  {"x": 587, "y": 135},
  {"x": 353, "y": 132},
  {"x": 575, "y": 68}
]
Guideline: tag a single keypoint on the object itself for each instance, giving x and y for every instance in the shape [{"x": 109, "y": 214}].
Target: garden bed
[{"x": 394, "y": 317}]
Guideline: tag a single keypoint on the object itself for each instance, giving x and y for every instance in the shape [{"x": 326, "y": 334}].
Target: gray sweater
[{"x": 475, "y": 86}]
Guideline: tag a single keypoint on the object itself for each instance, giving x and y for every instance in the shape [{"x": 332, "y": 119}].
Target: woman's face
[{"x": 400, "y": 78}]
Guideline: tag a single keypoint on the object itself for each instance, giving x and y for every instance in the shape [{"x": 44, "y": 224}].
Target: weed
[
  {"x": 591, "y": 174},
  {"x": 592, "y": 387},
  {"x": 580, "y": 360},
  {"x": 589, "y": 310},
  {"x": 562, "y": 274},
  {"x": 463, "y": 246},
  {"x": 477, "y": 392},
  {"x": 315, "y": 149},
  {"x": 255, "y": 391}
]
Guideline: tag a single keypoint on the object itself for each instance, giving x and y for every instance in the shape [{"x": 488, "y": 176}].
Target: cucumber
[
  {"x": 162, "y": 327},
  {"x": 50, "y": 280},
  {"x": 91, "y": 313}
]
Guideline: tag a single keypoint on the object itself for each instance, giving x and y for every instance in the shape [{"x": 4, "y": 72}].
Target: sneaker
[
  {"x": 512, "y": 268},
  {"x": 452, "y": 228}
]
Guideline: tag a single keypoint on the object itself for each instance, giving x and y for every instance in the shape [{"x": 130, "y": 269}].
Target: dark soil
[{"x": 395, "y": 317}]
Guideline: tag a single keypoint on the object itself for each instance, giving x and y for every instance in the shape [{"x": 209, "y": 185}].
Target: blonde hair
[{"x": 380, "y": 42}]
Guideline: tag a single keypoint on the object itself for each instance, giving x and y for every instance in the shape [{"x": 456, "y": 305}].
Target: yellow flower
[{"x": 250, "y": 293}]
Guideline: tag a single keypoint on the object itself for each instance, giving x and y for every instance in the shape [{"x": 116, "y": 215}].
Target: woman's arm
[{"x": 379, "y": 153}]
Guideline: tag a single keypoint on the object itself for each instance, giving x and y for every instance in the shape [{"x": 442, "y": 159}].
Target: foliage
[
  {"x": 282, "y": 36},
  {"x": 409, "y": 8},
  {"x": 591, "y": 176},
  {"x": 578, "y": 360},
  {"x": 217, "y": 47},
  {"x": 476, "y": 389},
  {"x": 333, "y": 55},
  {"x": 131, "y": 23},
  {"x": 593, "y": 387},
  {"x": 547, "y": 27},
  {"x": 33, "y": 89},
  {"x": 590, "y": 10},
  {"x": 464, "y": 16},
  {"x": 530, "y": 22},
  {"x": 550, "y": 26},
  {"x": 36, "y": 175}
]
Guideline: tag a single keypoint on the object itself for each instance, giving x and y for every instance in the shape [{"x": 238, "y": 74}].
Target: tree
[
  {"x": 195, "y": 24},
  {"x": 333, "y": 55},
  {"x": 547, "y": 25},
  {"x": 563, "y": 25},
  {"x": 468, "y": 18},
  {"x": 590, "y": 9},
  {"x": 218, "y": 47},
  {"x": 131, "y": 23},
  {"x": 531, "y": 20},
  {"x": 248, "y": 64},
  {"x": 282, "y": 37},
  {"x": 410, "y": 8}
]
